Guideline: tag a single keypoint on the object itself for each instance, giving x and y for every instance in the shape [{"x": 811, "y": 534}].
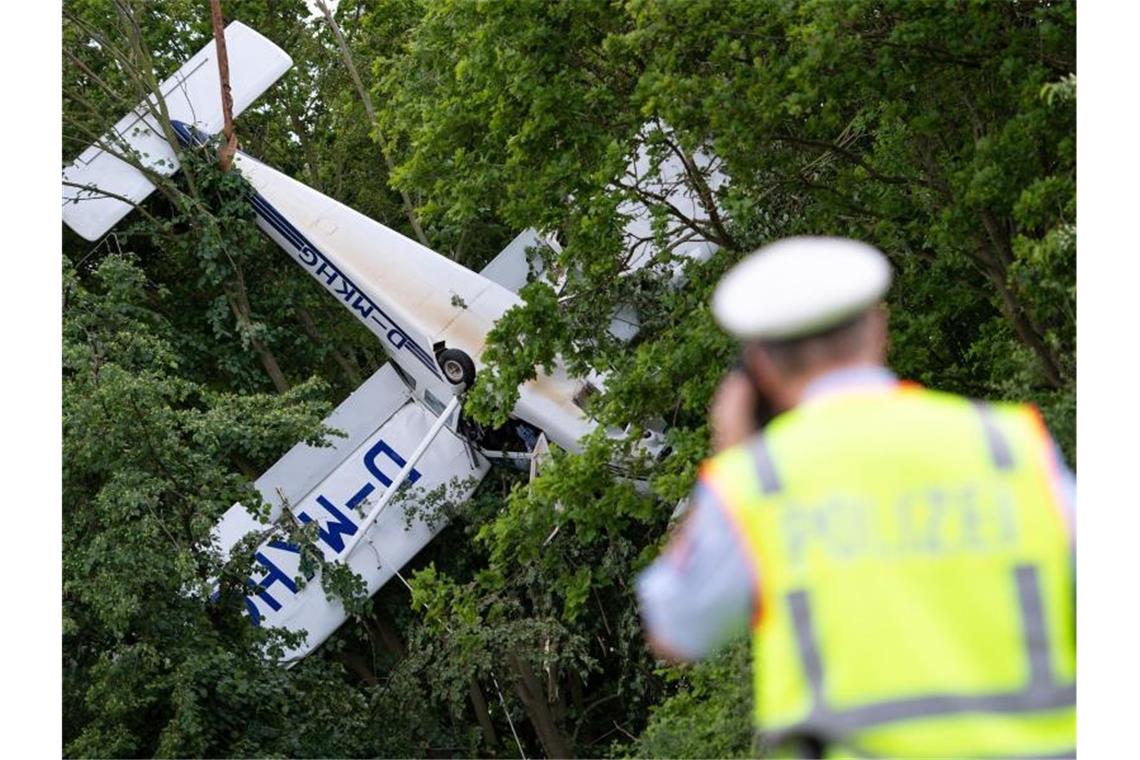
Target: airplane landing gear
[{"x": 457, "y": 367}]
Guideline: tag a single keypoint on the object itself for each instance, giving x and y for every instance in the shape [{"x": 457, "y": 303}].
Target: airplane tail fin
[{"x": 100, "y": 188}]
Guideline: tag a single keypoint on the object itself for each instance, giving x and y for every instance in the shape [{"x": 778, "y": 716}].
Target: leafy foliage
[{"x": 704, "y": 719}]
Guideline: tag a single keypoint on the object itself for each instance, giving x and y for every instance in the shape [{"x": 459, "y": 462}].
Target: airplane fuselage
[{"x": 412, "y": 298}]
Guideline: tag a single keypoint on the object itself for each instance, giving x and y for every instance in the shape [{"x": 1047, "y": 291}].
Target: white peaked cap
[{"x": 799, "y": 286}]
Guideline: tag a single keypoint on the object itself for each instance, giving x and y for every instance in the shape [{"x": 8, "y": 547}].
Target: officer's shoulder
[
  {"x": 726, "y": 457},
  {"x": 1020, "y": 418},
  {"x": 1008, "y": 415},
  {"x": 932, "y": 395}
]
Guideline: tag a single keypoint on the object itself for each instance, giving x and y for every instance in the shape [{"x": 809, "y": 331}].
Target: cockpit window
[{"x": 587, "y": 391}]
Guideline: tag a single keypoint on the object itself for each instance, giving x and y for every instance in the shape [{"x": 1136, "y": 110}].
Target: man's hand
[{"x": 731, "y": 415}]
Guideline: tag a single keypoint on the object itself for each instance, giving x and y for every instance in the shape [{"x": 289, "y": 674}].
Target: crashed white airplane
[{"x": 431, "y": 315}]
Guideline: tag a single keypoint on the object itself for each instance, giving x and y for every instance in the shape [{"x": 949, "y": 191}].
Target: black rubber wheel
[{"x": 458, "y": 369}]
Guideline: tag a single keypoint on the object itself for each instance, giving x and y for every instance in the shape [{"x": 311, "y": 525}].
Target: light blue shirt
[{"x": 701, "y": 590}]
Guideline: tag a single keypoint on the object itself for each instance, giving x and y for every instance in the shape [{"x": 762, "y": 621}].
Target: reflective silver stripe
[
  {"x": 806, "y": 643},
  {"x": 1000, "y": 451},
  {"x": 1049, "y": 698},
  {"x": 1034, "y": 630},
  {"x": 1042, "y": 692},
  {"x": 765, "y": 469},
  {"x": 857, "y": 750}
]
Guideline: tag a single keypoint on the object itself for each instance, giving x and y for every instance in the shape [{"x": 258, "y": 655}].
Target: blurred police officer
[{"x": 903, "y": 556}]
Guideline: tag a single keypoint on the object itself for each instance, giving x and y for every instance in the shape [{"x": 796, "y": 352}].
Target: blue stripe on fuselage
[
  {"x": 188, "y": 135},
  {"x": 290, "y": 233}
]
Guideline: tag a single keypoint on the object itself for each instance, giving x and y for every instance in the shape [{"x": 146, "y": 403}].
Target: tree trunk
[
  {"x": 576, "y": 692},
  {"x": 239, "y": 305},
  {"x": 531, "y": 692},
  {"x": 379, "y": 628},
  {"x": 356, "y": 664},
  {"x": 1028, "y": 332},
  {"x": 226, "y": 151},
  {"x": 996, "y": 268},
  {"x": 310, "y": 327},
  {"x": 269, "y": 362},
  {"x": 482, "y": 714},
  {"x": 246, "y": 466}
]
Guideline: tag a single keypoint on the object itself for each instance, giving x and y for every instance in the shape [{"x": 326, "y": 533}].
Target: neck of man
[{"x": 793, "y": 391}]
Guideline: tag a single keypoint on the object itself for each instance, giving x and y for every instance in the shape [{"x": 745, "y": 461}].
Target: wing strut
[{"x": 374, "y": 513}]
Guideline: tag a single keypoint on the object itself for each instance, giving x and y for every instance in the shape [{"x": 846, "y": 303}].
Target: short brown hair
[{"x": 841, "y": 342}]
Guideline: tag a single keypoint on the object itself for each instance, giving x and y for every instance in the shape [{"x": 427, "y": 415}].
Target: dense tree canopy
[{"x": 195, "y": 354}]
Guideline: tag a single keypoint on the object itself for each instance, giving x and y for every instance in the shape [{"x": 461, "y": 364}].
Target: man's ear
[
  {"x": 879, "y": 333},
  {"x": 765, "y": 375}
]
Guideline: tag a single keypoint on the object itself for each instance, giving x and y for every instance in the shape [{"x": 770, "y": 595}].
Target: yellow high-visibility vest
[{"x": 914, "y": 567}]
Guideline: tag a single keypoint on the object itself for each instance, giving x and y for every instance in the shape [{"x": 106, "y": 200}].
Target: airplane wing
[
  {"x": 510, "y": 267},
  {"x": 339, "y": 488},
  {"x": 666, "y": 180}
]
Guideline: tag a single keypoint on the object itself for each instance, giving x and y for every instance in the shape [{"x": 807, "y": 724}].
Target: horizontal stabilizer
[
  {"x": 100, "y": 188},
  {"x": 511, "y": 268}
]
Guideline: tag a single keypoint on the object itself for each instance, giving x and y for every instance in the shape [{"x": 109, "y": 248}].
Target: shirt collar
[{"x": 845, "y": 379}]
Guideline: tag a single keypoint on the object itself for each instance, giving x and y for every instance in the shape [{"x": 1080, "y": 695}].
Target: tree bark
[
  {"x": 482, "y": 714},
  {"x": 226, "y": 151},
  {"x": 354, "y": 662},
  {"x": 269, "y": 363},
  {"x": 1028, "y": 332},
  {"x": 310, "y": 327},
  {"x": 531, "y": 692},
  {"x": 239, "y": 305},
  {"x": 996, "y": 268},
  {"x": 576, "y": 691},
  {"x": 379, "y": 628},
  {"x": 246, "y": 466}
]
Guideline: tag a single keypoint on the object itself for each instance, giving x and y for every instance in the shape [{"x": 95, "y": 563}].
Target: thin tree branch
[
  {"x": 674, "y": 211},
  {"x": 108, "y": 194},
  {"x": 346, "y": 55},
  {"x": 698, "y": 183},
  {"x": 838, "y": 150}
]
